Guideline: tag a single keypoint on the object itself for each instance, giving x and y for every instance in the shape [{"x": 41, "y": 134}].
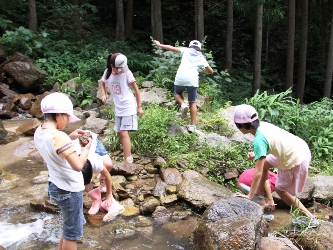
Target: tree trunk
[
  {"x": 78, "y": 26},
  {"x": 329, "y": 66},
  {"x": 257, "y": 48},
  {"x": 266, "y": 46},
  {"x": 129, "y": 18},
  {"x": 302, "y": 51},
  {"x": 32, "y": 16},
  {"x": 120, "y": 26},
  {"x": 156, "y": 20},
  {"x": 199, "y": 20},
  {"x": 230, "y": 28},
  {"x": 323, "y": 29},
  {"x": 291, "y": 45}
]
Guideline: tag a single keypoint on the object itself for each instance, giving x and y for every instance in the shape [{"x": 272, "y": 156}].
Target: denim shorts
[
  {"x": 100, "y": 149},
  {"x": 191, "y": 91},
  {"x": 71, "y": 205}
]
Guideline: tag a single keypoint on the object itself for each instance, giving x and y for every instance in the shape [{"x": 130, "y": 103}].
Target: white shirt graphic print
[{"x": 121, "y": 92}]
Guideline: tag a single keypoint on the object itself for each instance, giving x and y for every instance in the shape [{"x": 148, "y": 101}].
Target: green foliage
[
  {"x": 272, "y": 108},
  {"x": 84, "y": 94},
  {"x": 214, "y": 123},
  {"x": 22, "y": 40}
]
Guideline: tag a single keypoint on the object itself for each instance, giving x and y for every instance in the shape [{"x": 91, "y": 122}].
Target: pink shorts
[{"x": 292, "y": 180}]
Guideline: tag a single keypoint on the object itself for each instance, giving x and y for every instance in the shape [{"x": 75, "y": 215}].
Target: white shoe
[
  {"x": 183, "y": 110},
  {"x": 191, "y": 128}
]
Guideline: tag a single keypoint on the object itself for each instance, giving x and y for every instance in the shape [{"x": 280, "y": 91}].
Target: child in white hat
[
  {"x": 121, "y": 81},
  {"x": 187, "y": 77},
  {"x": 65, "y": 183}
]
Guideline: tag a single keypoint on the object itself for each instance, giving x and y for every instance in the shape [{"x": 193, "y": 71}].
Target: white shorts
[{"x": 126, "y": 123}]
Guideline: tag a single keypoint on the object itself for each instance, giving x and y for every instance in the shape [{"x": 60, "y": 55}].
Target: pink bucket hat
[
  {"x": 58, "y": 103},
  {"x": 244, "y": 113}
]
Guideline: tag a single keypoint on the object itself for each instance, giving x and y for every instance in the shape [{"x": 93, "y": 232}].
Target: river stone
[
  {"x": 232, "y": 223},
  {"x": 149, "y": 205},
  {"x": 320, "y": 238},
  {"x": 201, "y": 192},
  {"x": 171, "y": 176},
  {"x": 275, "y": 243},
  {"x": 324, "y": 187}
]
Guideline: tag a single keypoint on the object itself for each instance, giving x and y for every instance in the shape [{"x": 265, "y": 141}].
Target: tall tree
[
  {"x": 129, "y": 18},
  {"x": 77, "y": 20},
  {"x": 290, "y": 45},
  {"x": 257, "y": 47},
  {"x": 302, "y": 50},
  {"x": 199, "y": 20},
  {"x": 323, "y": 28},
  {"x": 156, "y": 20},
  {"x": 120, "y": 26},
  {"x": 230, "y": 28},
  {"x": 32, "y": 16},
  {"x": 329, "y": 65}
]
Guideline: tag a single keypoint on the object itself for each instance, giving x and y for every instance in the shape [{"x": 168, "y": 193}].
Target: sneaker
[
  {"x": 303, "y": 221},
  {"x": 268, "y": 217},
  {"x": 191, "y": 128},
  {"x": 129, "y": 159},
  {"x": 314, "y": 222},
  {"x": 183, "y": 110}
]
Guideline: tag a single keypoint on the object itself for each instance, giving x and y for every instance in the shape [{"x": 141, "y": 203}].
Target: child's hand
[
  {"x": 157, "y": 42},
  {"x": 88, "y": 145},
  {"x": 108, "y": 200},
  {"x": 104, "y": 99},
  {"x": 242, "y": 195},
  {"x": 270, "y": 206},
  {"x": 140, "y": 111},
  {"x": 76, "y": 133},
  {"x": 250, "y": 155}
]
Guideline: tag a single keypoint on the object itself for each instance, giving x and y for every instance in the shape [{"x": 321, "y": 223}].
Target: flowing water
[{"x": 22, "y": 227}]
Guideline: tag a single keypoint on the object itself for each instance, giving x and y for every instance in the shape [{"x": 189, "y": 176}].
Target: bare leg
[
  {"x": 193, "y": 113},
  {"x": 179, "y": 98},
  {"x": 67, "y": 244},
  {"x": 293, "y": 202},
  {"x": 126, "y": 142}
]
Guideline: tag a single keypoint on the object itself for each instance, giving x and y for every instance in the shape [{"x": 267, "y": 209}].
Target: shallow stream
[{"x": 21, "y": 227}]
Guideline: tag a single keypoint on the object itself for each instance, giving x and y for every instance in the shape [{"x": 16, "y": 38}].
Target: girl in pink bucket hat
[{"x": 276, "y": 148}]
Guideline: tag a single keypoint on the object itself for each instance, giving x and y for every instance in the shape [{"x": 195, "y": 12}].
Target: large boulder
[
  {"x": 230, "y": 224},
  {"x": 201, "y": 192}
]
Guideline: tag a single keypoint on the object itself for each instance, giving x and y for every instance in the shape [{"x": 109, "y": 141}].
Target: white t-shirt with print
[
  {"x": 122, "y": 95},
  {"x": 54, "y": 146},
  {"x": 188, "y": 74}
]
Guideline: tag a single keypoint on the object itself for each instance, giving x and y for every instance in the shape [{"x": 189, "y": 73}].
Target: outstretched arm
[
  {"x": 209, "y": 69},
  {"x": 167, "y": 47}
]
